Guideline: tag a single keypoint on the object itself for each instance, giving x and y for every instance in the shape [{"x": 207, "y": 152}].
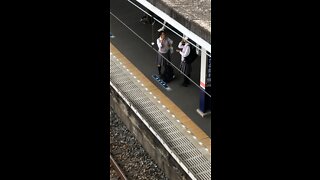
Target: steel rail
[{"x": 117, "y": 168}]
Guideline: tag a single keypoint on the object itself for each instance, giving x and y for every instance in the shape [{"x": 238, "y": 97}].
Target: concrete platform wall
[{"x": 150, "y": 143}]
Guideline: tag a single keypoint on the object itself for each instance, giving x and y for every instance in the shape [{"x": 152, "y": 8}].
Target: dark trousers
[{"x": 186, "y": 80}]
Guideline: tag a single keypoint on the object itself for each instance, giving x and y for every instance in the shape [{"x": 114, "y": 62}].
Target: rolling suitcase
[{"x": 168, "y": 74}]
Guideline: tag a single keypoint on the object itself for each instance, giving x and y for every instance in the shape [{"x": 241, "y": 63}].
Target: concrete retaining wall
[{"x": 150, "y": 143}]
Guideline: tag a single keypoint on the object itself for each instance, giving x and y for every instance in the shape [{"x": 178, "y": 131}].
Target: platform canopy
[{"x": 173, "y": 22}]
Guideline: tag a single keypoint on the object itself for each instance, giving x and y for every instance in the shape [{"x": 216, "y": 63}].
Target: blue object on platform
[{"x": 161, "y": 82}]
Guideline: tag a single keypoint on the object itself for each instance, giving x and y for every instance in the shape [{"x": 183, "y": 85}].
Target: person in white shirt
[
  {"x": 184, "y": 50},
  {"x": 164, "y": 44}
]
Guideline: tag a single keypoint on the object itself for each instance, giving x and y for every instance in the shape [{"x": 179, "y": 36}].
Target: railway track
[
  {"x": 129, "y": 154},
  {"x": 117, "y": 168}
]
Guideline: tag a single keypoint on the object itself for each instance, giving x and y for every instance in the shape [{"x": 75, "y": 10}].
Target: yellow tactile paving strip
[{"x": 174, "y": 109}]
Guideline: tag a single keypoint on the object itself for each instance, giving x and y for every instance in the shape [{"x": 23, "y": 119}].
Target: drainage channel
[{"x": 183, "y": 147}]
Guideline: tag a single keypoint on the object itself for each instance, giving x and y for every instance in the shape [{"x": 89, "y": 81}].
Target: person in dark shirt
[{"x": 146, "y": 19}]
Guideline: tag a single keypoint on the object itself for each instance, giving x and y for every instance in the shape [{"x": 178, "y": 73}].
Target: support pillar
[{"x": 205, "y": 83}]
